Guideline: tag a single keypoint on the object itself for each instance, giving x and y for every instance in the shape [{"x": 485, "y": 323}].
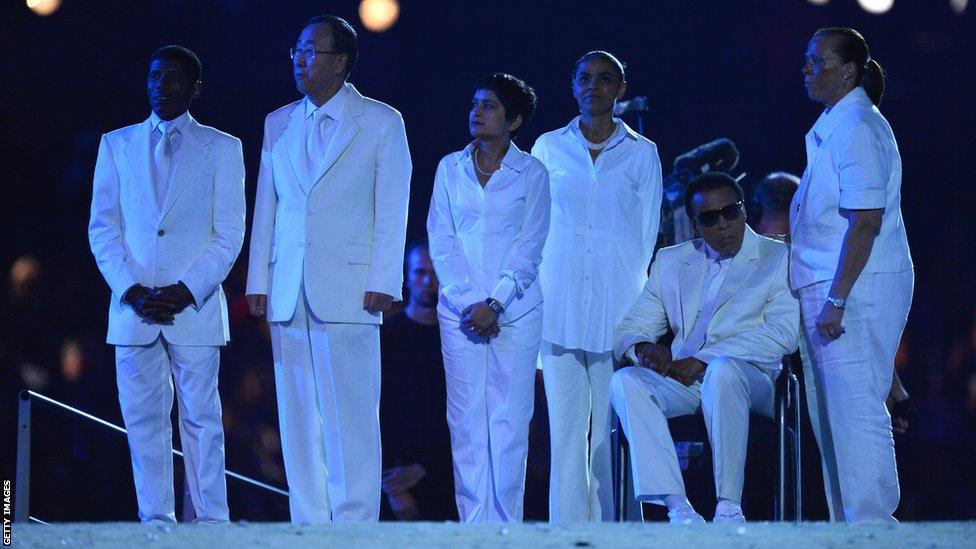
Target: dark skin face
[
  {"x": 826, "y": 77},
  {"x": 171, "y": 86},
  {"x": 597, "y": 87},
  {"x": 725, "y": 236}
]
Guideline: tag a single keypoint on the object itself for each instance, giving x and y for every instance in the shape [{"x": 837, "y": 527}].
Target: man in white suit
[
  {"x": 326, "y": 260},
  {"x": 726, "y": 298},
  {"x": 167, "y": 224}
]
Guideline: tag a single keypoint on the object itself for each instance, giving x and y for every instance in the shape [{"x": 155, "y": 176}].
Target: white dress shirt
[
  {"x": 487, "y": 241},
  {"x": 605, "y": 220},
  {"x": 320, "y": 125},
  {"x": 852, "y": 163},
  {"x": 162, "y": 171}
]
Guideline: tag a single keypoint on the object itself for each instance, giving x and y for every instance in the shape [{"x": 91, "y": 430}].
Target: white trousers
[
  {"x": 490, "y": 398},
  {"x": 578, "y": 398},
  {"x": 644, "y": 400},
  {"x": 327, "y": 377},
  {"x": 145, "y": 375},
  {"x": 847, "y": 381}
]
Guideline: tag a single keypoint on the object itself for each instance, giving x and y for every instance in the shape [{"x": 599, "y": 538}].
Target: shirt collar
[
  {"x": 514, "y": 158},
  {"x": 832, "y": 117},
  {"x": 714, "y": 256},
  {"x": 332, "y": 108},
  {"x": 178, "y": 123},
  {"x": 622, "y": 131}
]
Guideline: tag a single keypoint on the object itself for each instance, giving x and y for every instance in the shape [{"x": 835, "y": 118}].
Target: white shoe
[
  {"x": 685, "y": 514},
  {"x": 729, "y": 513}
]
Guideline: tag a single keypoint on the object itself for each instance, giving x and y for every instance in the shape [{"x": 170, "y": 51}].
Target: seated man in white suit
[
  {"x": 330, "y": 222},
  {"x": 725, "y": 297},
  {"x": 167, "y": 223}
]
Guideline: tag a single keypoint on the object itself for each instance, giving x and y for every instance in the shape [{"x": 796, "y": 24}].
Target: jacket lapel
[
  {"x": 136, "y": 152},
  {"x": 194, "y": 149},
  {"x": 294, "y": 142},
  {"x": 739, "y": 269},
  {"x": 344, "y": 135},
  {"x": 690, "y": 277}
]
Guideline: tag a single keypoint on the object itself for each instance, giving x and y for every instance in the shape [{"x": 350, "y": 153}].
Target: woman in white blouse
[
  {"x": 851, "y": 267},
  {"x": 606, "y": 205},
  {"x": 487, "y": 225}
]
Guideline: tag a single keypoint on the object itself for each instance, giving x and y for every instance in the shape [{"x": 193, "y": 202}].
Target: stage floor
[{"x": 128, "y": 535}]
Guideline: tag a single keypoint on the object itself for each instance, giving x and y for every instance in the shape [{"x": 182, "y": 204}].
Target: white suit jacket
[
  {"x": 195, "y": 238},
  {"x": 756, "y": 318},
  {"x": 343, "y": 231}
]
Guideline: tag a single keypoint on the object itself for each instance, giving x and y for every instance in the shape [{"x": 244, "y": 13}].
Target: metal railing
[{"x": 22, "y": 477}]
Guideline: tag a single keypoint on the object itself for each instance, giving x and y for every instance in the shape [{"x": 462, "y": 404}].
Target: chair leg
[
  {"x": 797, "y": 456},
  {"x": 779, "y": 512}
]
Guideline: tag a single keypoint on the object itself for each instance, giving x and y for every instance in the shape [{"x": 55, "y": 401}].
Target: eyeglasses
[
  {"x": 730, "y": 213},
  {"x": 309, "y": 53}
]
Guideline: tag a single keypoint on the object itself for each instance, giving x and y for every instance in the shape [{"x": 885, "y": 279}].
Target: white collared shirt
[
  {"x": 852, "y": 163},
  {"x": 605, "y": 220},
  {"x": 487, "y": 241},
  {"x": 325, "y": 120}
]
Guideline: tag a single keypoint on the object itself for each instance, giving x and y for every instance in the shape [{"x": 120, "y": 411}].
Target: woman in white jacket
[{"x": 487, "y": 225}]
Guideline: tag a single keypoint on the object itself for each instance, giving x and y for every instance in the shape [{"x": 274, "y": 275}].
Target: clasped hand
[
  {"x": 160, "y": 304},
  {"x": 658, "y": 358},
  {"x": 479, "y": 319}
]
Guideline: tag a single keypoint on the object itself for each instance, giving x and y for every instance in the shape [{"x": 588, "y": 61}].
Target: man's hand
[
  {"x": 686, "y": 370},
  {"x": 258, "y": 304},
  {"x": 376, "y": 302},
  {"x": 403, "y": 505},
  {"x": 147, "y": 304},
  {"x": 480, "y": 319},
  {"x": 401, "y": 478},
  {"x": 828, "y": 322},
  {"x": 178, "y": 295},
  {"x": 654, "y": 356}
]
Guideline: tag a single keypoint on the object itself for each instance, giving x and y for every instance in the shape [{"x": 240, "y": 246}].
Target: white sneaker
[
  {"x": 685, "y": 514},
  {"x": 728, "y": 512}
]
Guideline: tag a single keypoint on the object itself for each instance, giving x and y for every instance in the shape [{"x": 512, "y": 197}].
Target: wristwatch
[
  {"x": 838, "y": 302},
  {"x": 494, "y": 305}
]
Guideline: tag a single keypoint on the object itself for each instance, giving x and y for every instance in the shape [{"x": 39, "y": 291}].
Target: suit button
[{"x": 160, "y": 232}]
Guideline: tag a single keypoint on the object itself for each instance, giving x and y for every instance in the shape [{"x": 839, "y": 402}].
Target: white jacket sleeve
[
  {"x": 647, "y": 319},
  {"x": 391, "y": 198},
  {"x": 263, "y": 222},
  {"x": 523, "y": 268}
]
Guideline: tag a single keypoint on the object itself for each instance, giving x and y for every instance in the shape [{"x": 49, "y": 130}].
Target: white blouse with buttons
[
  {"x": 487, "y": 241},
  {"x": 605, "y": 220}
]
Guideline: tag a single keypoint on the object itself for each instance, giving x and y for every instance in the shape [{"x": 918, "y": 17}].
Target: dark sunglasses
[{"x": 730, "y": 213}]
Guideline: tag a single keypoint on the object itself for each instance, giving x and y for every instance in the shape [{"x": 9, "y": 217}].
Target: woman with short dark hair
[
  {"x": 487, "y": 225},
  {"x": 852, "y": 270}
]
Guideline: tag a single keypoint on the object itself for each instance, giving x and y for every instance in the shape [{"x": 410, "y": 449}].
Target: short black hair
[
  {"x": 516, "y": 96},
  {"x": 710, "y": 181},
  {"x": 182, "y": 55},
  {"x": 619, "y": 66},
  {"x": 775, "y": 192},
  {"x": 344, "y": 38}
]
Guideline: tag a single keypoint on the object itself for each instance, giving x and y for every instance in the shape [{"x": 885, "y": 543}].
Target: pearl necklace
[{"x": 477, "y": 167}]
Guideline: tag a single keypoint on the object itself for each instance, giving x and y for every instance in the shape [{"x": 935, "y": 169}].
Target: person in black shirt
[{"x": 417, "y": 471}]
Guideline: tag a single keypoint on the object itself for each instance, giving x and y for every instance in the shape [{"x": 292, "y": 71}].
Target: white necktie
[
  {"x": 162, "y": 160},
  {"x": 316, "y": 143},
  {"x": 696, "y": 339}
]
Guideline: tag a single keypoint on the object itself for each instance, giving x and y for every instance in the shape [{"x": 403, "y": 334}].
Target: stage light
[
  {"x": 44, "y": 7},
  {"x": 818, "y": 2},
  {"x": 958, "y": 6},
  {"x": 876, "y": 6},
  {"x": 379, "y": 15}
]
